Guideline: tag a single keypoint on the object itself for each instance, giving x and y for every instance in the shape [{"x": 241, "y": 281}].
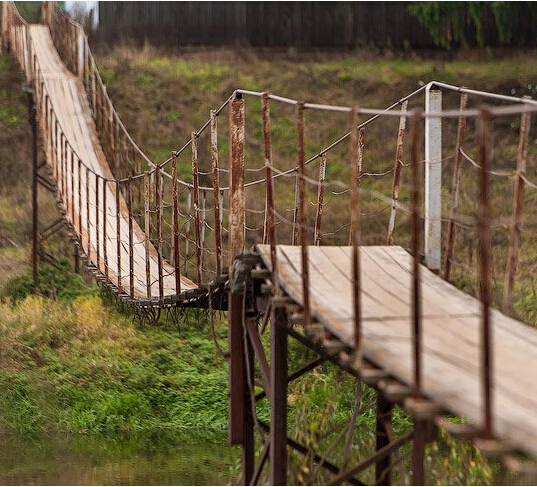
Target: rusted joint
[{"x": 241, "y": 272}]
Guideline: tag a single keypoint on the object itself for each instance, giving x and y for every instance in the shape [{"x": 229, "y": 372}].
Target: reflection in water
[{"x": 155, "y": 458}]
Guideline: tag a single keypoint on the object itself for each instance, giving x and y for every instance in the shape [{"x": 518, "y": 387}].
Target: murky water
[{"x": 154, "y": 458}]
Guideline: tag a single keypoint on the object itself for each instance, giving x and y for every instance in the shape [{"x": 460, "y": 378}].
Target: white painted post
[{"x": 433, "y": 179}]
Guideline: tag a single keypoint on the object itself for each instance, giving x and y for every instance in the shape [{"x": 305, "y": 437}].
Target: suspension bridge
[{"x": 225, "y": 238}]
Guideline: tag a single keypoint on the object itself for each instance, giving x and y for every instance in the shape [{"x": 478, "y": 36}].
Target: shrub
[{"x": 57, "y": 281}]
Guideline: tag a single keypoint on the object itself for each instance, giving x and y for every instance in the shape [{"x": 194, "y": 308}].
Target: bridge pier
[{"x": 278, "y": 388}]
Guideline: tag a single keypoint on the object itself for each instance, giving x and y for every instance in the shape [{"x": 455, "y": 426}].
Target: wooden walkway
[
  {"x": 71, "y": 106},
  {"x": 451, "y": 332}
]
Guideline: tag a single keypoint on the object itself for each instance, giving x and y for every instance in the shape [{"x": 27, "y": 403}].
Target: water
[{"x": 154, "y": 458}]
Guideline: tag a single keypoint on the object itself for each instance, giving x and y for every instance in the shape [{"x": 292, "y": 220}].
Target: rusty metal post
[
  {"x": 248, "y": 444},
  {"x": 158, "y": 197},
  {"x": 383, "y": 417},
  {"x": 203, "y": 223},
  {"x": 88, "y": 215},
  {"x": 303, "y": 215},
  {"x": 118, "y": 236},
  {"x": 105, "y": 243},
  {"x": 397, "y": 171},
  {"x": 356, "y": 151},
  {"x": 237, "y": 200},
  {"x": 278, "y": 387},
  {"x": 147, "y": 228},
  {"x": 97, "y": 241},
  {"x": 416, "y": 235},
  {"x": 79, "y": 208},
  {"x": 419, "y": 442},
  {"x": 271, "y": 231},
  {"x": 216, "y": 192},
  {"x": 420, "y": 426},
  {"x": 187, "y": 230},
  {"x": 35, "y": 174},
  {"x": 514, "y": 235},
  {"x": 320, "y": 199},
  {"x": 485, "y": 252},
  {"x": 237, "y": 367},
  {"x": 131, "y": 246},
  {"x": 72, "y": 187},
  {"x": 175, "y": 225},
  {"x": 295, "y": 210},
  {"x": 455, "y": 188},
  {"x": 196, "y": 196}
]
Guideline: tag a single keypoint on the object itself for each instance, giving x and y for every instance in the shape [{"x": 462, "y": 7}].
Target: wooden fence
[{"x": 280, "y": 24}]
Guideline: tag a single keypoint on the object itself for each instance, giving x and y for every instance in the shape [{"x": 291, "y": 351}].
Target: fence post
[{"x": 433, "y": 179}]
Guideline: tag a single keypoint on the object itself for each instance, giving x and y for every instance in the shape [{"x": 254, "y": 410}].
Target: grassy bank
[{"x": 77, "y": 365}]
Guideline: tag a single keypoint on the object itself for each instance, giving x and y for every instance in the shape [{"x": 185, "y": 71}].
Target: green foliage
[
  {"x": 447, "y": 21},
  {"x": 31, "y": 11},
  {"x": 54, "y": 281}
]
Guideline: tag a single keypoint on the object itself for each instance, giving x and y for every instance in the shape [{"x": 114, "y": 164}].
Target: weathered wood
[
  {"x": 451, "y": 332},
  {"x": 68, "y": 131}
]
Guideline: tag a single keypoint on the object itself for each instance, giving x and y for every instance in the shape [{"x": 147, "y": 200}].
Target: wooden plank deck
[
  {"x": 451, "y": 332},
  {"x": 69, "y": 101}
]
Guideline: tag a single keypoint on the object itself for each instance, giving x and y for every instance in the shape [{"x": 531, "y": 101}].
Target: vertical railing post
[
  {"x": 271, "y": 231},
  {"x": 97, "y": 241},
  {"x": 118, "y": 236},
  {"x": 433, "y": 179},
  {"x": 485, "y": 251},
  {"x": 147, "y": 228},
  {"x": 131, "y": 245},
  {"x": 419, "y": 439},
  {"x": 196, "y": 197},
  {"x": 79, "y": 209},
  {"x": 237, "y": 200},
  {"x": 320, "y": 199},
  {"x": 455, "y": 188},
  {"x": 88, "y": 215},
  {"x": 237, "y": 367},
  {"x": 158, "y": 199},
  {"x": 216, "y": 192},
  {"x": 105, "y": 243},
  {"x": 514, "y": 234},
  {"x": 303, "y": 214},
  {"x": 356, "y": 151},
  {"x": 175, "y": 226},
  {"x": 397, "y": 171}
]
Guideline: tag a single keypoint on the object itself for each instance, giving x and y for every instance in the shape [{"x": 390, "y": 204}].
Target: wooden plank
[
  {"x": 69, "y": 101},
  {"x": 451, "y": 341}
]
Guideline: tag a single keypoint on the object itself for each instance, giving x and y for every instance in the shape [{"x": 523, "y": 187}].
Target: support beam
[
  {"x": 278, "y": 410},
  {"x": 248, "y": 443},
  {"x": 433, "y": 179},
  {"x": 384, "y": 417},
  {"x": 236, "y": 369}
]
